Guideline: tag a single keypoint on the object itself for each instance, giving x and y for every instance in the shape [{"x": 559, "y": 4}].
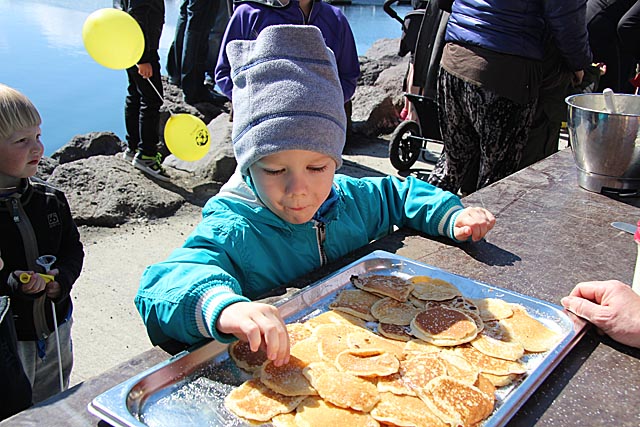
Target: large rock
[
  {"x": 87, "y": 145},
  {"x": 373, "y": 112},
  {"x": 106, "y": 191}
]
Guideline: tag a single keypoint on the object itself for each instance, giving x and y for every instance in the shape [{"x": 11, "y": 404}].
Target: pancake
[
  {"x": 355, "y": 302},
  {"x": 405, "y": 411},
  {"x": 428, "y": 288},
  {"x": 297, "y": 332},
  {"x": 315, "y": 412},
  {"x": 284, "y": 420},
  {"x": 394, "y": 384},
  {"x": 395, "y": 332},
  {"x": 386, "y": 286},
  {"x": 286, "y": 379},
  {"x": 340, "y": 388},
  {"x": 531, "y": 333},
  {"x": 334, "y": 318},
  {"x": 418, "y": 346},
  {"x": 255, "y": 401},
  {"x": 455, "y": 402},
  {"x": 444, "y": 326},
  {"x": 307, "y": 350},
  {"x": 417, "y": 370},
  {"x": 488, "y": 364},
  {"x": 250, "y": 361},
  {"x": 459, "y": 368},
  {"x": 364, "y": 339},
  {"x": 500, "y": 380},
  {"x": 388, "y": 310},
  {"x": 332, "y": 339},
  {"x": 497, "y": 348},
  {"x": 493, "y": 308},
  {"x": 367, "y": 363},
  {"x": 485, "y": 385},
  {"x": 463, "y": 304}
]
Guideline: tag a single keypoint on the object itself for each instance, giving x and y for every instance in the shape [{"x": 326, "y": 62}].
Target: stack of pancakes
[{"x": 437, "y": 359}]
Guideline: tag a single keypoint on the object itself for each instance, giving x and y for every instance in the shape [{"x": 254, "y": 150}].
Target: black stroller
[{"x": 423, "y": 36}]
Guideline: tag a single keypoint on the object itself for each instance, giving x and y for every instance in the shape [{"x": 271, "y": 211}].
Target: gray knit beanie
[{"x": 286, "y": 95}]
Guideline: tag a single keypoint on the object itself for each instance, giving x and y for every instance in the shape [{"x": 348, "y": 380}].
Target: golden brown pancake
[
  {"x": 463, "y": 304},
  {"x": 500, "y": 380},
  {"x": 246, "y": 359},
  {"x": 332, "y": 339},
  {"x": 496, "y": 348},
  {"x": 493, "y": 308},
  {"x": 419, "y": 369},
  {"x": 364, "y": 339},
  {"x": 419, "y": 346},
  {"x": 395, "y": 332},
  {"x": 444, "y": 326},
  {"x": 255, "y": 401},
  {"x": 405, "y": 411},
  {"x": 367, "y": 362},
  {"x": 394, "y": 384},
  {"x": 284, "y": 420},
  {"x": 488, "y": 364},
  {"x": 342, "y": 389},
  {"x": 355, "y": 302},
  {"x": 386, "y": 286},
  {"x": 335, "y": 318},
  {"x": 458, "y": 367},
  {"x": 427, "y": 288},
  {"x": 485, "y": 385},
  {"x": 388, "y": 310},
  {"x": 315, "y": 412},
  {"x": 307, "y": 350},
  {"x": 531, "y": 333},
  {"x": 286, "y": 379},
  {"x": 455, "y": 402},
  {"x": 298, "y": 332}
]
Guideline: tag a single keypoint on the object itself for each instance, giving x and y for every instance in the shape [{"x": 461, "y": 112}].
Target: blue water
[{"x": 42, "y": 55}]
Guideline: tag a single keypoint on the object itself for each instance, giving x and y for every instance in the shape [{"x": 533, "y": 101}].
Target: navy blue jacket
[{"x": 517, "y": 27}]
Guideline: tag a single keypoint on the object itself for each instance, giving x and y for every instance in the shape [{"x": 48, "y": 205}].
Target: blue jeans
[{"x": 188, "y": 52}]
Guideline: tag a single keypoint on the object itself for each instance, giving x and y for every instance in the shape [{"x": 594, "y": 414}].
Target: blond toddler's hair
[{"x": 16, "y": 112}]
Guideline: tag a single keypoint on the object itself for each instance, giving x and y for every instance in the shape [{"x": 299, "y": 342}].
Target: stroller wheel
[{"x": 405, "y": 145}]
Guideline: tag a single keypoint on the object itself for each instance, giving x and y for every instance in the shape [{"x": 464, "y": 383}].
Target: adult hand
[
  {"x": 611, "y": 306},
  {"x": 53, "y": 288},
  {"x": 473, "y": 223},
  {"x": 145, "y": 70},
  {"x": 259, "y": 324}
]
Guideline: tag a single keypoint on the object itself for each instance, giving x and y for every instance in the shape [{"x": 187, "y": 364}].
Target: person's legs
[
  {"x": 149, "y": 120},
  {"x": 629, "y": 36},
  {"x": 132, "y": 109},
  {"x": 200, "y": 15},
  {"x": 503, "y": 126},
  {"x": 460, "y": 139},
  {"x": 215, "y": 39},
  {"x": 174, "y": 56},
  {"x": 40, "y": 362}
]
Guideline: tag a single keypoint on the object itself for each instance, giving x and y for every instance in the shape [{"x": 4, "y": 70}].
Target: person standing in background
[
  {"x": 614, "y": 36},
  {"x": 490, "y": 74},
  {"x": 215, "y": 41},
  {"x": 143, "y": 102},
  {"x": 188, "y": 52}
]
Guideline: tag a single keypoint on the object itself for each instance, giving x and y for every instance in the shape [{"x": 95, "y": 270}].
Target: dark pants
[
  {"x": 188, "y": 52},
  {"x": 614, "y": 27},
  {"x": 142, "y": 110},
  {"x": 15, "y": 390},
  {"x": 478, "y": 127}
]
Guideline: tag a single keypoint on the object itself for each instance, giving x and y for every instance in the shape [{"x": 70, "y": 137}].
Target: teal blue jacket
[{"x": 241, "y": 250}]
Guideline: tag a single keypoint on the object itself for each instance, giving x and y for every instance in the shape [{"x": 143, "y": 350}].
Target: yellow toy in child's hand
[{"x": 25, "y": 277}]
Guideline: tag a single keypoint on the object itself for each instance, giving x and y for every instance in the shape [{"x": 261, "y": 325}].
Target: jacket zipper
[{"x": 321, "y": 235}]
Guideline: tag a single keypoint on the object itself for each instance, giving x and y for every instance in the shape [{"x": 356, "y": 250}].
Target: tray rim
[{"x": 119, "y": 395}]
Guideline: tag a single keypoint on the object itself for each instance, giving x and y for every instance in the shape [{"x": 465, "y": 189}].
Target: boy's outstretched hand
[
  {"x": 473, "y": 223},
  {"x": 260, "y": 325}
]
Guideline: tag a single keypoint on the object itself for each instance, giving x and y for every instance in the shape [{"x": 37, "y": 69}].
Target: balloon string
[{"x": 155, "y": 89}]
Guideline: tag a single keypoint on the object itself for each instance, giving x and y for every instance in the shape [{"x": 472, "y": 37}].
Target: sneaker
[
  {"x": 151, "y": 165},
  {"x": 128, "y": 155}
]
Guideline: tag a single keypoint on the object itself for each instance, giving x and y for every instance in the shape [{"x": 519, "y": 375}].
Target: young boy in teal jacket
[{"x": 285, "y": 212}]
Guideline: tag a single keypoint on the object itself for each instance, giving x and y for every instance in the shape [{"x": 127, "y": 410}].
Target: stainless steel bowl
[{"x": 606, "y": 146}]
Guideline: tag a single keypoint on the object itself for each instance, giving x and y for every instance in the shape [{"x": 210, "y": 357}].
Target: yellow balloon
[
  {"x": 187, "y": 137},
  {"x": 113, "y": 38}
]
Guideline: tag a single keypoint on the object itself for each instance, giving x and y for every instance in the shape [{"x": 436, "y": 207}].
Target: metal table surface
[{"x": 550, "y": 234}]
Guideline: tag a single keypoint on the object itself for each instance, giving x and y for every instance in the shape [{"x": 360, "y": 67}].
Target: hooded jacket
[
  {"x": 250, "y": 18},
  {"x": 36, "y": 220},
  {"x": 241, "y": 250}
]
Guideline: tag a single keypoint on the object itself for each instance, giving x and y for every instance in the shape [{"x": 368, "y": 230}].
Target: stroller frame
[{"x": 410, "y": 138}]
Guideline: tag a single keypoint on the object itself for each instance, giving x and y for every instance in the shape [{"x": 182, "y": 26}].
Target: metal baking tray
[{"x": 188, "y": 389}]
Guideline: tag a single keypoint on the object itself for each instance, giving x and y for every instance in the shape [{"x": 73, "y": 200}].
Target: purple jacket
[{"x": 249, "y": 19}]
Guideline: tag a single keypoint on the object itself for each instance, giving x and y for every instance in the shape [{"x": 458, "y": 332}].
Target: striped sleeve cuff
[
  {"x": 446, "y": 224},
  {"x": 208, "y": 309}
]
